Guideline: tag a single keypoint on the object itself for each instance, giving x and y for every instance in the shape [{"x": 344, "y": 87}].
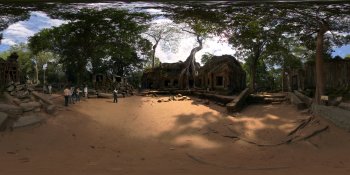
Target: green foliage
[
  {"x": 206, "y": 58},
  {"x": 24, "y": 58},
  {"x": 96, "y": 42},
  {"x": 148, "y": 63},
  {"x": 347, "y": 57},
  {"x": 26, "y": 64}
]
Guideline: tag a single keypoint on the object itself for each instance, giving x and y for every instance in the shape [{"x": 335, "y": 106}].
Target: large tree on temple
[{"x": 200, "y": 22}]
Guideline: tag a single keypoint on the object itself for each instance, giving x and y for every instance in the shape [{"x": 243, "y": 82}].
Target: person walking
[
  {"x": 78, "y": 91},
  {"x": 66, "y": 93},
  {"x": 49, "y": 87},
  {"x": 86, "y": 91},
  {"x": 115, "y": 96}
]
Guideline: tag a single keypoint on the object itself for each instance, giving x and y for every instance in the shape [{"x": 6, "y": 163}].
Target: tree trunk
[
  {"x": 252, "y": 77},
  {"x": 283, "y": 77},
  {"x": 36, "y": 74},
  {"x": 319, "y": 66},
  {"x": 253, "y": 68},
  {"x": 190, "y": 67},
  {"x": 154, "y": 52}
]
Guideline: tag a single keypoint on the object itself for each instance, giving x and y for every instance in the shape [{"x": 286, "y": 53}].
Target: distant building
[{"x": 223, "y": 74}]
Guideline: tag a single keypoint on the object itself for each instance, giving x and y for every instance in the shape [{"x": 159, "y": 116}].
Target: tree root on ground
[
  {"x": 307, "y": 129},
  {"x": 201, "y": 161}
]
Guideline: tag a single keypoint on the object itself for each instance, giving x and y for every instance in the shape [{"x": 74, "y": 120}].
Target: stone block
[
  {"x": 11, "y": 109},
  {"x": 296, "y": 101},
  {"x": 338, "y": 116},
  {"x": 307, "y": 100},
  {"x": 3, "y": 117},
  {"x": 51, "y": 109},
  {"x": 30, "y": 106},
  {"x": 238, "y": 103},
  {"x": 27, "y": 121}
]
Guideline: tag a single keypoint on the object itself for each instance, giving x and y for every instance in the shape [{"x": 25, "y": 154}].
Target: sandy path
[{"x": 140, "y": 136}]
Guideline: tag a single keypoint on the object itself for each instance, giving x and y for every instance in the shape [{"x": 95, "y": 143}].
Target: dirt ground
[{"x": 140, "y": 136}]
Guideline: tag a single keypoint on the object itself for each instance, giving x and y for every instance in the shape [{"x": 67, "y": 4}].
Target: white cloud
[
  {"x": 212, "y": 45},
  {"x": 20, "y": 32}
]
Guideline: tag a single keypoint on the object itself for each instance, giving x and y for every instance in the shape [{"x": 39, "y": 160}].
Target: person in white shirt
[
  {"x": 50, "y": 88},
  {"x": 66, "y": 93},
  {"x": 86, "y": 91},
  {"x": 115, "y": 96}
]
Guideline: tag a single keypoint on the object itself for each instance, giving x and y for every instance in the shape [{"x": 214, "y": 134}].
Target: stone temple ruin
[
  {"x": 337, "y": 77},
  {"x": 104, "y": 83},
  {"x": 20, "y": 105},
  {"x": 9, "y": 69},
  {"x": 222, "y": 74}
]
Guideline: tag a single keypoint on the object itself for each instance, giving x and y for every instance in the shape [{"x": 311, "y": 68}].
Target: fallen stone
[
  {"x": 11, "y": 88},
  {"x": 20, "y": 87},
  {"x": 171, "y": 98},
  {"x": 32, "y": 98},
  {"x": 41, "y": 97},
  {"x": 345, "y": 106},
  {"x": 159, "y": 101},
  {"x": 13, "y": 93},
  {"x": 180, "y": 99},
  {"x": 238, "y": 103},
  {"x": 206, "y": 102},
  {"x": 11, "y": 99},
  {"x": 179, "y": 95},
  {"x": 27, "y": 121},
  {"x": 11, "y": 109},
  {"x": 105, "y": 95},
  {"x": 10, "y": 83},
  {"x": 294, "y": 99},
  {"x": 340, "y": 117},
  {"x": 22, "y": 94},
  {"x": 3, "y": 117},
  {"x": 30, "y": 106},
  {"x": 26, "y": 100},
  {"x": 50, "y": 109},
  {"x": 307, "y": 100}
]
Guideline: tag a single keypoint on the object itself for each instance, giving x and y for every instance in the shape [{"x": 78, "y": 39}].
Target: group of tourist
[{"x": 73, "y": 94}]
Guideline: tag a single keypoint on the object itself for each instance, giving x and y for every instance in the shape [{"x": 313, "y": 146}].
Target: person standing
[
  {"x": 66, "y": 95},
  {"x": 78, "y": 94},
  {"x": 115, "y": 96},
  {"x": 86, "y": 91},
  {"x": 50, "y": 89}
]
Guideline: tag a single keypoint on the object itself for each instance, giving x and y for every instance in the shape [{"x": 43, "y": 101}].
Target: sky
[{"x": 20, "y": 32}]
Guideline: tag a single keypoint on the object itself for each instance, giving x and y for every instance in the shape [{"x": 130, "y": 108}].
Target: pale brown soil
[{"x": 140, "y": 136}]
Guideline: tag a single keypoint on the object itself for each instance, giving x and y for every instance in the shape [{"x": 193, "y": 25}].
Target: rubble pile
[
  {"x": 177, "y": 97},
  {"x": 23, "y": 106}
]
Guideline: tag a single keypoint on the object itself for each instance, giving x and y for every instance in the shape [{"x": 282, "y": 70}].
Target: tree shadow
[{"x": 258, "y": 123}]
